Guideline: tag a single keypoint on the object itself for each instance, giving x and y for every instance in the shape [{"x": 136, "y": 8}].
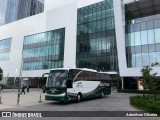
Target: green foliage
[
  {"x": 135, "y": 91},
  {"x": 1, "y": 74},
  {"x": 149, "y": 80},
  {"x": 7, "y": 87},
  {"x": 147, "y": 104}
]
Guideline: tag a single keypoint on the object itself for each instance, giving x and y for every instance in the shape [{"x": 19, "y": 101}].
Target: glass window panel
[
  {"x": 157, "y": 35},
  {"x": 138, "y": 60},
  {"x": 137, "y": 38},
  {"x": 152, "y": 57},
  {"x": 138, "y": 49},
  {"x": 132, "y": 49},
  {"x": 131, "y": 37},
  {"x": 104, "y": 43},
  {"x": 136, "y": 27},
  {"x": 156, "y": 23},
  {"x": 129, "y": 60},
  {"x": 149, "y": 25},
  {"x": 152, "y": 48},
  {"x": 144, "y": 37},
  {"x": 145, "y": 48},
  {"x": 131, "y": 28},
  {"x": 145, "y": 59},
  {"x": 143, "y": 26},
  {"x": 158, "y": 47},
  {"x": 127, "y": 38},
  {"x": 150, "y": 36},
  {"x": 158, "y": 57},
  {"x": 133, "y": 60}
]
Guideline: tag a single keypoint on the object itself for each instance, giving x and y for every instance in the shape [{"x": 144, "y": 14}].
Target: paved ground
[
  {"x": 9, "y": 98},
  {"x": 29, "y": 102}
]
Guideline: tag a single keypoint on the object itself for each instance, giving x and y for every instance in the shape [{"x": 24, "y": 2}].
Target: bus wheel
[
  {"x": 79, "y": 97},
  {"x": 102, "y": 94}
]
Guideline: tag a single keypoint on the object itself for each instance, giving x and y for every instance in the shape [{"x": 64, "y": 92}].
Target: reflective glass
[
  {"x": 44, "y": 50},
  {"x": 152, "y": 57},
  {"x": 12, "y": 10},
  {"x": 5, "y": 46},
  {"x": 96, "y": 42},
  {"x": 145, "y": 41},
  {"x": 158, "y": 57},
  {"x": 132, "y": 39},
  {"x": 133, "y": 60},
  {"x": 139, "y": 60},
  {"x": 144, "y": 37},
  {"x": 137, "y": 38},
  {"x": 145, "y": 59},
  {"x": 157, "y": 35},
  {"x": 128, "y": 40},
  {"x": 151, "y": 37}
]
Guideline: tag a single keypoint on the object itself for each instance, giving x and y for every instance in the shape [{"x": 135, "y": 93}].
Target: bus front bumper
[{"x": 56, "y": 98}]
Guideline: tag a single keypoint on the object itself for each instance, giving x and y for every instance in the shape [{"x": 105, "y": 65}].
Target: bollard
[
  {"x": 40, "y": 98},
  {"x": 0, "y": 99},
  {"x": 38, "y": 88},
  {"x": 18, "y": 96},
  {"x": 0, "y": 96}
]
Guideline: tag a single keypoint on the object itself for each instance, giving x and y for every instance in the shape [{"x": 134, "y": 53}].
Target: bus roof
[{"x": 84, "y": 69}]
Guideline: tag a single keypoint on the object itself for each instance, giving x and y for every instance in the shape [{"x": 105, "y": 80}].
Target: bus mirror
[
  {"x": 65, "y": 77},
  {"x": 44, "y": 91},
  {"x": 45, "y": 75}
]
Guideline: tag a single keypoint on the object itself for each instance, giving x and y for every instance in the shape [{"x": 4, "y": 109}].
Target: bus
[{"x": 76, "y": 84}]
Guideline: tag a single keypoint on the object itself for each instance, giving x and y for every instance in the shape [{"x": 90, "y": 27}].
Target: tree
[
  {"x": 1, "y": 74},
  {"x": 149, "y": 79}
]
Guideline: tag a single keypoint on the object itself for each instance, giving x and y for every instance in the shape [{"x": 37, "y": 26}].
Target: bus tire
[
  {"x": 79, "y": 97},
  {"x": 102, "y": 94}
]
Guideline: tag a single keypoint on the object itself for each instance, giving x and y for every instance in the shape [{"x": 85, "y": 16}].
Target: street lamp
[
  {"x": 14, "y": 79},
  {"x": 19, "y": 88},
  {"x": 0, "y": 96}
]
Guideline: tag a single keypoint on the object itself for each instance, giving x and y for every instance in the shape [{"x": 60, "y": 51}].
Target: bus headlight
[{"x": 63, "y": 94}]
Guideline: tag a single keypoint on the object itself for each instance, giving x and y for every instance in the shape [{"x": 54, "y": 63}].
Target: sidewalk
[{"x": 9, "y": 99}]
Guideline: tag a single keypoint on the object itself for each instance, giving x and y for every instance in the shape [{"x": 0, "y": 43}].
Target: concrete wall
[
  {"x": 120, "y": 37},
  {"x": 51, "y": 4},
  {"x": 55, "y": 18},
  {"x": 65, "y": 16},
  {"x": 17, "y": 30}
]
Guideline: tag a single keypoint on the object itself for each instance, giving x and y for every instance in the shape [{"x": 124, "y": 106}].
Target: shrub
[
  {"x": 147, "y": 104},
  {"x": 135, "y": 91},
  {"x": 7, "y": 87}
]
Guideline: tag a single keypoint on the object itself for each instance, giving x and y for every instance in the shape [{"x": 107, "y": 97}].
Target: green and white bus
[{"x": 66, "y": 84}]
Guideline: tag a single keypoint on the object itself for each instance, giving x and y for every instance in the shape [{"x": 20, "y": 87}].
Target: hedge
[
  {"x": 135, "y": 91},
  {"x": 7, "y": 87},
  {"x": 146, "y": 103}
]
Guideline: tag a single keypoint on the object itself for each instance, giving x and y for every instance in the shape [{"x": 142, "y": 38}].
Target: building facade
[
  {"x": 13, "y": 10},
  {"x": 118, "y": 37}
]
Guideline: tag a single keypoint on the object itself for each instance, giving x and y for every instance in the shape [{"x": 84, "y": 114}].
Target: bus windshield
[{"x": 57, "y": 78}]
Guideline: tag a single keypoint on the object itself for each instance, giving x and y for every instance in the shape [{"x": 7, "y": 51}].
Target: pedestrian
[
  {"x": 0, "y": 88},
  {"x": 23, "y": 89},
  {"x": 28, "y": 86}
]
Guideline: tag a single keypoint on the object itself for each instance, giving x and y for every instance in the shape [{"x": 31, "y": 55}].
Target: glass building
[
  {"x": 44, "y": 50},
  {"x": 5, "y": 46},
  {"x": 96, "y": 42},
  {"x": 12, "y": 10},
  {"x": 118, "y": 37},
  {"x": 143, "y": 43}
]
